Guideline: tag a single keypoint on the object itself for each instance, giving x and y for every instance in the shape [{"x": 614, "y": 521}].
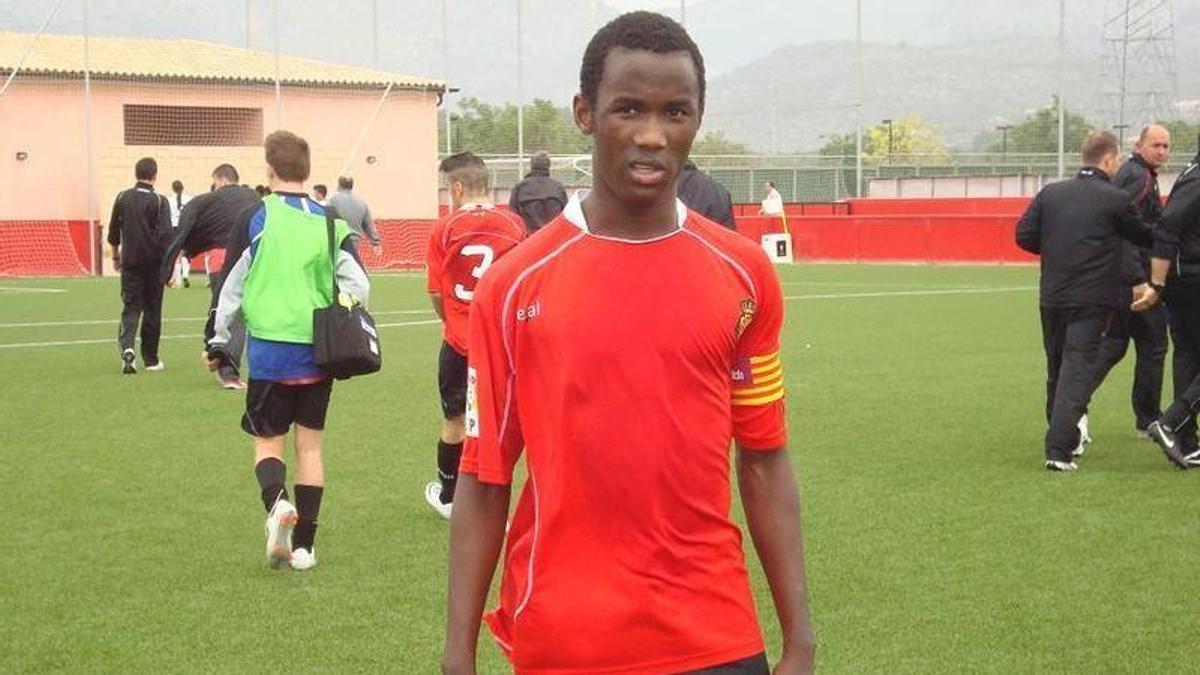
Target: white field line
[
  {"x": 430, "y": 322},
  {"x": 190, "y": 319},
  {"x": 68, "y": 343},
  {"x": 894, "y": 294},
  {"x": 30, "y": 289}
]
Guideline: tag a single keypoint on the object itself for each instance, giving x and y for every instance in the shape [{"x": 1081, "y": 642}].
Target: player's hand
[
  {"x": 795, "y": 661},
  {"x": 116, "y": 262},
  {"x": 215, "y": 357},
  {"x": 1144, "y": 297}
]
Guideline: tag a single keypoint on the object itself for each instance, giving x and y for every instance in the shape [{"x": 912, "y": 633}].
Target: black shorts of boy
[
  {"x": 272, "y": 407},
  {"x": 452, "y": 382}
]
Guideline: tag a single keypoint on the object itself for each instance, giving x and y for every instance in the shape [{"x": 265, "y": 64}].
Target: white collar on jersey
[
  {"x": 574, "y": 215},
  {"x": 469, "y": 206}
]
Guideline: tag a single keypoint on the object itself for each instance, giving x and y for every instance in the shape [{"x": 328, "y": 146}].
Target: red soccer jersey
[
  {"x": 462, "y": 246},
  {"x": 623, "y": 370}
]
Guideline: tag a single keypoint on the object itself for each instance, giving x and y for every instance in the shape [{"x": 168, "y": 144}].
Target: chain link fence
[{"x": 382, "y": 90}]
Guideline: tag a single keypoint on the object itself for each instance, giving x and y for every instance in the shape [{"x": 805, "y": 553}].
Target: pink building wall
[{"x": 45, "y": 119}]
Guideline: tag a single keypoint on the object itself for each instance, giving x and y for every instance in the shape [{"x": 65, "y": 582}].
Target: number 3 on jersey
[{"x": 486, "y": 257}]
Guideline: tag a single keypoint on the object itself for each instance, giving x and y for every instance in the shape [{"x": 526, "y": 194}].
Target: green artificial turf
[{"x": 132, "y": 530}]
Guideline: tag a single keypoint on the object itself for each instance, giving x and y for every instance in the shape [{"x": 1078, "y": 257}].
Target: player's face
[
  {"x": 1156, "y": 149},
  {"x": 646, "y": 115}
]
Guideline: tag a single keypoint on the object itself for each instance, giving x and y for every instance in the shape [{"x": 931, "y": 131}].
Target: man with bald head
[{"x": 1148, "y": 329}]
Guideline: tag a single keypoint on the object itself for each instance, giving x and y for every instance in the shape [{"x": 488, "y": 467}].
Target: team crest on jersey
[{"x": 747, "y": 315}]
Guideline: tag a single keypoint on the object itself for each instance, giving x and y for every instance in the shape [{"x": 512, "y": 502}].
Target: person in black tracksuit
[
  {"x": 140, "y": 224},
  {"x": 205, "y": 224},
  {"x": 1147, "y": 329},
  {"x": 539, "y": 197},
  {"x": 1076, "y": 226},
  {"x": 704, "y": 195},
  {"x": 1175, "y": 276}
]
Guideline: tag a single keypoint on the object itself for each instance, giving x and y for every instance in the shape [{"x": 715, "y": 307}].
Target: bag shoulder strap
[{"x": 329, "y": 228}]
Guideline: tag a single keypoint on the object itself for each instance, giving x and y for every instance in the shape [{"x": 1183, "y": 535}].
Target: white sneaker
[
  {"x": 157, "y": 366},
  {"x": 1053, "y": 465},
  {"x": 303, "y": 559},
  {"x": 1084, "y": 436},
  {"x": 433, "y": 495},
  {"x": 279, "y": 533}
]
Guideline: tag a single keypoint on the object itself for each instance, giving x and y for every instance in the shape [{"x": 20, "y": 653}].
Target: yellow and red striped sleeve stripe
[{"x": 765, "y": 383}]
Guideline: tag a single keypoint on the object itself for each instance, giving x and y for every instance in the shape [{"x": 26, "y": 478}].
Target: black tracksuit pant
[
  {"x": 237, "y": 331},
  {"x": 1071, "y": 336},
  {"x": 1148, "y": 330},
  {"x": 142, "y": 295},
  {"x": 1183, "y": 302}
]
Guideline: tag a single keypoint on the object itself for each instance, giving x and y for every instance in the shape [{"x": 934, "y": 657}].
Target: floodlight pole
[
  {"x": 1062, "y": 122},
  {"x": 278, "y": 90},
  {"x": 683, "y": 13},
  {"x": 446, "y": 77},
  {"x": 247, "y": 24},
  {"x": 93, "y": 220},
  {"x": 858, "y": 106},
  {"x": 520, "y": 98}
]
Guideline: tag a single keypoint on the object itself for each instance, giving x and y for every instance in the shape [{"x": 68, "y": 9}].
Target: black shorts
[
  {"x": 452, "y": 381},
  {"x": 272, "y": 407},
  {"x": 754, "y": 665}
]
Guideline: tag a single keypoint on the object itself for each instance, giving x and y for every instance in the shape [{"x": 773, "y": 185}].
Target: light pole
[
  {"x": 1003, "y": 129},
  {"x": 891, "y": 137}
]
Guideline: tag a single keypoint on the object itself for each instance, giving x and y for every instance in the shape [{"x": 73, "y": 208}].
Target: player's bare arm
[
  {"x": 770, "y": 498},
  {"x": 476, "y": 537},
  {"x": 438, "y": 308}
]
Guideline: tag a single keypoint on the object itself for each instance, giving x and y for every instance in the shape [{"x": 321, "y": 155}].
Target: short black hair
[
  {"x": 345, "y": 182},
  {"x": 226, "y": 172},
  {"x": 468, "y": 169},
  {"x": 320, "y": 188},
  {"x": 146, "y": 169},
  {"x": 177, "y": 186},
  {"x": 636, "y": 30}
]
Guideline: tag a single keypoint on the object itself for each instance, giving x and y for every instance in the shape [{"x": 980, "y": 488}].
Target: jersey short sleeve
[
  {"x": 434, "y": 259},
  {"x": 759, "y": 414},
  {"x": 494, "y": 440}
]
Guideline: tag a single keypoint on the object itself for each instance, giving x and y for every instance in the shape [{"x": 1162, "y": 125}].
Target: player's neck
[
  {"x": 481, "y": 200},
  {"x": 287, "y": 186},
  {"x": 609, "y": 216}
]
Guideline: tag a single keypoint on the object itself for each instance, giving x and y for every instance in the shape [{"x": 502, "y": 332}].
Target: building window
[{"x": 192, "y": 125}]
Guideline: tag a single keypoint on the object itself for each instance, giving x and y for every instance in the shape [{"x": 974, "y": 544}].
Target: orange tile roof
[{"x": 186, "y": 60}]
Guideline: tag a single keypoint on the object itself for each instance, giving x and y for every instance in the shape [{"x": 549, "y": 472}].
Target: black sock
[
  {"x": 449, "y": 455},
  {"x": 272, "y": 479},
  {"x": 308, "y": 507}
]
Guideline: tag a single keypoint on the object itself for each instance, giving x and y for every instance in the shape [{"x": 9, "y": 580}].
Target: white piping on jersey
[
  {"x": 732, "y": 263},
  {"x": 573, "y": 212},
  {"x": 537, "y": 521},
  {"x": 304, "y": 205},
  {"x": 508, "y": 397},
  {"x": 517, "y": 283}
]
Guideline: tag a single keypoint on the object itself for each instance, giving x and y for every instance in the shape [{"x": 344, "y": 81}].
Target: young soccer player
[
  {"x": 462, "y": 246},
  {"x": 282, "y": 273},
  {"x": 621, "y": 350}
]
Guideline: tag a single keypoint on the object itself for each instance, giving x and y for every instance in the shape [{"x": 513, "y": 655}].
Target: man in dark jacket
[
  {"x": 1175, "y": 277},
  {"x": 1075, "y": 226},
  {"x": 140, "y": 224},
  {"x": 705, "y": 196},
  {"x": 1147, "y": 329},
  {"x": 204, "y": 225},
  {"x": 538, "y": 198}
]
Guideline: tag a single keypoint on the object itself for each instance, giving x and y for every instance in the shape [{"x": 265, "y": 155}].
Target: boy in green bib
[{"x": 279, "y": 271}]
